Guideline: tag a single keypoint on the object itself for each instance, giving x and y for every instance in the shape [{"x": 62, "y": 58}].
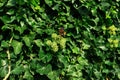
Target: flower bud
[
  {"x": 62, "y": 43},
  {"x": 54, "y": 36},
  {"x": 115, "y": 42},
  {"x": 48, "y": 42},
  {"x": 54, "y": 47}
]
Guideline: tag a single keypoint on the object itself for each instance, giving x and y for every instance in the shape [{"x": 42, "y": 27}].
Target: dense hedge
[{"x": 34, "y": 45}]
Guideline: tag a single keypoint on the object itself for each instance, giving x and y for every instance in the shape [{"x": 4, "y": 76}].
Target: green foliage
[
  {"x": 17, "y": 46},
  {"x": 33, "y": 47}
]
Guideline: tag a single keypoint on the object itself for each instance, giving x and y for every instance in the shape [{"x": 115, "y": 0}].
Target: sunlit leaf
[
  {"x": 4, "y": 44},
  {"x": 17, "y": 70},
  {"x": 38, "y": 42},
  {"x": 44, "y": 69},
  {"x": 49, "y": 2},
  {"x": 3, "y": 71},
  {"x": 27, "y": 75},
  {"x": 17, "y": 46},
  {"x": 27, "y": 41},
  {"x": 53, "y": 75},
  {"x": 11, "y": 3},
  {"x": 7, "y": 19}
]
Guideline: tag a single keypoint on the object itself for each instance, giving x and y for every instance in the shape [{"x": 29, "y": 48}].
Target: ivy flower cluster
[
  {"x": 56, "y": 42},
  {"x": 113, "y": 42},
  {"x": 112, "y": 30}
]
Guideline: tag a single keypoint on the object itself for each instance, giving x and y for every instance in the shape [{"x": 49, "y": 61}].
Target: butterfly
[{"x": 62, "y": 32}]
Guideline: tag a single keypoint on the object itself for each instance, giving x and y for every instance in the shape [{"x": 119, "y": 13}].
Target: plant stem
[{"x": 9, "y": 64}]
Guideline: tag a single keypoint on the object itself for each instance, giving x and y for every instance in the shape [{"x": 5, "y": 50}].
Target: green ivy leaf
[
  {"x": 86, "y": 46},
  {"x": 4, "y": 44},
  {"x": 49, "y": 2},
  {"x": 56, "y": 7},
  {"x": 39, "y": 31},
  {"x": 27, "y": 41},
  {"x": 2, "y": 2},
  {"x": 33, "y": 64},
  {"x": 103, "y": 47},
  {"x": 3, "y": 62},
  {"x": 34, "y": 2},
  {"x": 27, "y": 75},
  {"x": 44, "y": 69},
  {"x": 53, "y": 75},
  {"x": 11, "y": 3},
  {"x": 48, "y": 57},
  {"x": 75, "y": 50},
  {"x": 104, "y": 4},
  {"x": 96, "y": 20},
  {"x": 106, "y": 71},
  {"x": 17, "y": 70},
  {"x": 17, "y": 46},
  {"x": 42, "y": 55},
  {"x": 3, "y": 71},
  {"x": 20, "y": 29},
  {"x": 97, "y": 74},
  {"x": 63, "y": 59},
  {"x": 82, "y": 61},
  {"x": 38, "y": 42},
  {"x": 107, "y": 62},
  {"x": 74, "y": 73},
  {"x": 118, "y": 74},
  {"x": 10, "y": 12},
  {"x": 6, "y": 19},
  {"x": 21, "y": 2}
]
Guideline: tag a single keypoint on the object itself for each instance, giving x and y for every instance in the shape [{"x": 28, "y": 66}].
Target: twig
[{"x": 9, "y": 65}]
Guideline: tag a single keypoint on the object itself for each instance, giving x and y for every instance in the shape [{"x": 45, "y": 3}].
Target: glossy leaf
[
  {"x": 3, "y": 71},
  {"x": 27, "y": 41},
  {"x": 28, "y": 75},
  {"x": 44, "y": 69},
  {"x": 11, "y": 3},
  {"x": 53, "y": 75},
  {"x": 4, "y": 44},
  {"x": 7, "y": 19},
  {"x": 18, "y": 70},
  {"x": 17, "y": 46},
  {"x": 38, "y": 42}
]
